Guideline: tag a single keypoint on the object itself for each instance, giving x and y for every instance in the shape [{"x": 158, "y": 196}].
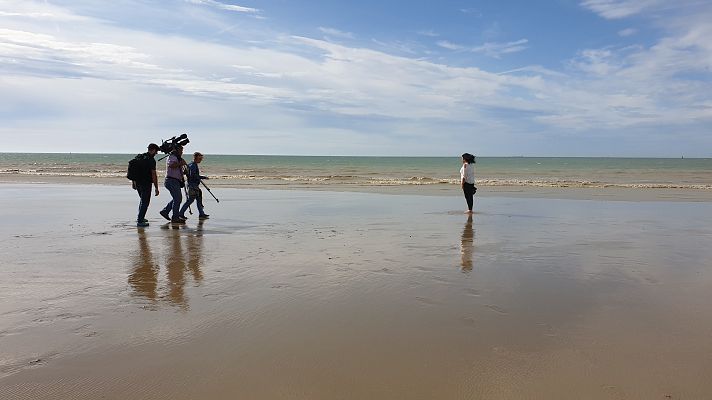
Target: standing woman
[{"x": 467, "y": 179}]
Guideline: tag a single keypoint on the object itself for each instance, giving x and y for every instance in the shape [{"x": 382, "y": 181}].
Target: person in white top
[{"x": 467, "y": 179}]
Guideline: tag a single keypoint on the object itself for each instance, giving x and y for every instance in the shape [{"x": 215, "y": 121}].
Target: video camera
[{"x": 169, "y": 145}]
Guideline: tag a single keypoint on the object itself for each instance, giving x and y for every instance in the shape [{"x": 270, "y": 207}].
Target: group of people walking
[
  {"x": 180, "y": 176},
  {"x": 177, "y": 170}
]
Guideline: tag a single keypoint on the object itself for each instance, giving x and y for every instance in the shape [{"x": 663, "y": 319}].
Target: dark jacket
[{"x": 194, "y": 176}]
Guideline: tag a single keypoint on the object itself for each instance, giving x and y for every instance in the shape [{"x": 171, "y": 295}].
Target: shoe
[
  {"x": 204, "y": 216},
  {"x": 142, "y": 224},
  {"x": 144, "y": 220},
  {"x": 164, "y": 214},
  {"x": 178, "y": 221},
  {"x": 183, "y": 217}
]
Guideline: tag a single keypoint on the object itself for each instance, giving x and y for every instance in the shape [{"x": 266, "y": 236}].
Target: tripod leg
[
  {"x": 209, "y": 191},
  {"x": 190, "y": 210}
]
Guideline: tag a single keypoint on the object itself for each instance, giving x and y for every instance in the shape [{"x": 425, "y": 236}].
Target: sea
[{"x": 369, "y": 172}]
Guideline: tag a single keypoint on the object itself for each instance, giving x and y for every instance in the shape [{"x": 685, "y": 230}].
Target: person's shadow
[
  {"x": 467, "y": 245},
  {"x": 143, "y": 278}
]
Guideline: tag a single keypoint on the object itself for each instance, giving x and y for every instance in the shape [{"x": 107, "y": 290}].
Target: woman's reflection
[{"x": 467, "y": 245}]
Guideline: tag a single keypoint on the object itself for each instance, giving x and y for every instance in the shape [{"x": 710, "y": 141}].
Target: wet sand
[{"x": 337, "y": 295}]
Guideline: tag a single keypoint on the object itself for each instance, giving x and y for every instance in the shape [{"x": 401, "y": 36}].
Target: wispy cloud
[
  {"x": 615, "y": 9},
  {"x": 449, "y": 45},
  {"x": 223, "y": 6},
  {"x": 471, "y": 11},
  {"x": 428, "y": 33},
  {"x": 336, "y": 33},
  {"x": 627, "y": 32},
  {"x": 31, "y": 10},
  {"x": 494, "y": 50}
]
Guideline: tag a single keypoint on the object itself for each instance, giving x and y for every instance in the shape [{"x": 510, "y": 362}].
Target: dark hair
[
  {"x": 153, "y": 146},
  {"x": 469, "y": 158}
]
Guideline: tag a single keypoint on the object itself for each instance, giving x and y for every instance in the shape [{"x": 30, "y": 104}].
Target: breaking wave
[{"x": 365, "y": 180}]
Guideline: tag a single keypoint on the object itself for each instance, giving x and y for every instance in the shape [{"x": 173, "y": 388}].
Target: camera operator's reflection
[
  {"x": 175, "y": 265},
  {"x": 144, "y": 275},
  {"x": 467, "y": 245},
  {"x": 195, "y": 252}
]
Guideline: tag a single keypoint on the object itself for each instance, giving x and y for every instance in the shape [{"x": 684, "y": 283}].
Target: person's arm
[
  {"x": 173, "y": 161},
  {"x": 462, "y": 175},
  {"x": 154, "y": 178}
]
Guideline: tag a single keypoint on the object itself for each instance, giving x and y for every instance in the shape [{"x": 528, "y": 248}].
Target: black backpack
[{"x": 139, "y": 168}]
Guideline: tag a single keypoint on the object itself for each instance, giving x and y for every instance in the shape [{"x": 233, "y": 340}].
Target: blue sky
[{"x": 495, "y": 78}]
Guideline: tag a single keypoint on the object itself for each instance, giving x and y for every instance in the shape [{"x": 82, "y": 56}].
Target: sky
[{"x": 611, "y": 78}]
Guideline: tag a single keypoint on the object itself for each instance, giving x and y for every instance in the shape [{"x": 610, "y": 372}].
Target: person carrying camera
[
  {"x": 194, "y": 192},
  {"x": 174, "y": 183},
  {"x": 145, "y": 177}
]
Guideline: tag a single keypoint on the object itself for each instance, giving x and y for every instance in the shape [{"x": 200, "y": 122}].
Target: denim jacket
[{"x": 194, "y": 176}]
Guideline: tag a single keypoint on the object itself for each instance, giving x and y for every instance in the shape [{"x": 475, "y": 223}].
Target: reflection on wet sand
[
  {"x": 195, "y": 252},
  {"x": 467, "y": 245},
  {"x": 175, "y": 268},
  {"x": 144, "y": 276}
]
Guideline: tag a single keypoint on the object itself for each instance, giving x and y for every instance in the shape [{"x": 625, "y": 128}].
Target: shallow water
[
  {"x": 379, "y": 172},
  {"x": 290, "y": 294}
]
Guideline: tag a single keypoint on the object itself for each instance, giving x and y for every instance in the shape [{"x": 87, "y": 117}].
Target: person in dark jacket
[
  {"x": 194, "y": 192},
  {"x": 142, "y": 184}
]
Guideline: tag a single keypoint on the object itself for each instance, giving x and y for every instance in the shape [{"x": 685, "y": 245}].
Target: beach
[{"x": 327, "y": 294}]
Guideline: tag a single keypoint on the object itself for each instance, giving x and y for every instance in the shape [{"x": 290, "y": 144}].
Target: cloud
[
  {"x": 449, "y": 45},
  {"x": 428, "y": 33},
  {"x": 471, "y": 11},
  {"x": 336, "y": 32},
  {"x": 496, "y": 50},
  {"x": 31, "y": 10},
  {"x": 224, "y": 6},
  {"x": 627, "y": 32},
  {"x": 597, "y": 62},
  {"x": 616, "y": 9},
  {"x": 38, "y": 51}
]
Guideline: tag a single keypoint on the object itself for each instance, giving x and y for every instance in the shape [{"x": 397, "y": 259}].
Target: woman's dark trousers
[{"x": 469, "y": 190}]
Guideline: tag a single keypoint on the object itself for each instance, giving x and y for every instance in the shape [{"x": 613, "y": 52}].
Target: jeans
[
  {"x": 144, "y": 193},
  {"x": 198, "y": 196},
  {"x": 173, "y": 186},
  {"x": 469, "y": 190}
]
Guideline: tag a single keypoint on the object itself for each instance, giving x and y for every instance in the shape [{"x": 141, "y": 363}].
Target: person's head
[
  {"x": 198, "y": 157},
  {"x": 468, "y": 158},
  {"x": 178, "y": 150},
  {"x": 153, "y": 149}
]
